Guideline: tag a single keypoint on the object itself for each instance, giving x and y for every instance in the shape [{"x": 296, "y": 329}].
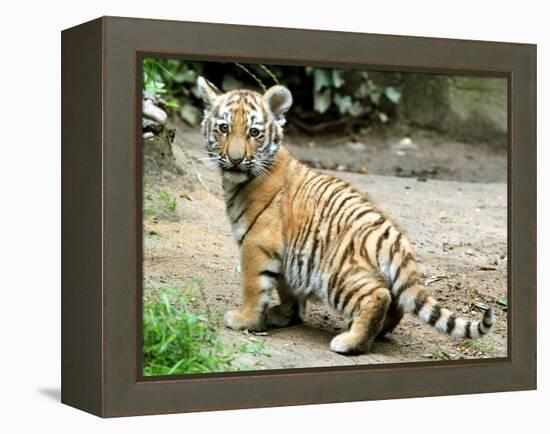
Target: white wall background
[{"x": 30, "y": 213}]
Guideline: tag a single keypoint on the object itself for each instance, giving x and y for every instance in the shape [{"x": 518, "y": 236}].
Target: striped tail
[{"x": 415, "y": 299}]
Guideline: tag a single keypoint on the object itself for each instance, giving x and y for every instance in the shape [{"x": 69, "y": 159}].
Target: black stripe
[
  {"x": 304, "y": 236},
  {"x": 332, "y": 183},
  {"x": 306, "y": 184},
  {"x": 298, "y": 189},
  {"x": 305, "y": 230},
  {"x": 435, "y": 315},
  {"x": 321, "y": 219},
  {"x": 335, "y": 281},
  {"x": 343, "y": 214},
  {"x": 358, "y": 207},
  {"x": 330, "y": 283},
  {"x": 240, "y": 215},
  {"x": 343, "y": 259},
  {"x": 353, "y": 288},
  {"x": 350, "y": 294},
  {"x": 306, "y": 187},
  {"x": 347, "y": 298},
  {"x": 365, "y": 255},
  {"x": 487, "y": 319},
  {"x": 411, "y": 281},
  {"x": 258, "y": 215},
  {"x": 361, "y": 297},
  {"x": 364, "y": 212},
  {"x": 336, "y": 214},
  {"x": 269, "y": 254},
  {"x": 334, "y": 195},
  {"x": 404, "y": 262},
  {"x": 341, "y": 287},
  {"x": 341, "y": 277},
  {"x": 314, "y": 191},
  {"x": 337, "y": 296},
  {"x": 270, "y": 274},
  {"x": 419, "y": 302},
  {"x": 467, "y": 333},
  {"x": 236, "y": 192},
  {"x": 331, "y": 202},
  {"x": 335, "y": 253},
  {"x": 312, "y": 256},
  {"x": 372, "y": 227},
  {"x": 479, "y": 330},
  {"x": 451, "y": 323},
  {"x": 395, "y": 246},
  {"x": 358, "y": 303},
  {"x": 380, "y": 240}
]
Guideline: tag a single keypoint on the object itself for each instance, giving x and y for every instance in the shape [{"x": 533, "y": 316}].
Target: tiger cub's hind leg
[
  {"x": 289, "y": 312},
  {"x": 368, "y": 317},
  {"x": 393, "y": 318}
]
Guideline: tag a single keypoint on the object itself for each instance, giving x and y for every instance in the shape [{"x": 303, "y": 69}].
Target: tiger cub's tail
[{"x": 415, "y": 299}]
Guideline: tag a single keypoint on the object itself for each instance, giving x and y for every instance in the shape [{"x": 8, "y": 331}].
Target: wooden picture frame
[{"x": 101, "y": 216}]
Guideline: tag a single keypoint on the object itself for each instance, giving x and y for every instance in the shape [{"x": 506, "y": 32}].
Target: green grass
[
  {"x": 168, "y": 201},
  {"x": 178, "y": 341},
  {"x": 480, "y": 345},
  {"x": 180, "y": 337}
]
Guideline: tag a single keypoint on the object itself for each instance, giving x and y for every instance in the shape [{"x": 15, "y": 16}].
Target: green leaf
[
  {"x": 356, "y": 109},
  {"x": 383, "y": 117},
  {"x": 362, "y": 91},
  {"x": 392, "y": 94},
  {"x": 375, "y": 95},
  {"x": 165, "y": 301},
  {"x": 342, "y": 102},
  {"x": 321, "y": 79},
  {"x": 337, "y": 78},
  {"x": 503, "y": 301},
  {"x": 322, "y": 100},
  {"x": 172, "y": 103}
]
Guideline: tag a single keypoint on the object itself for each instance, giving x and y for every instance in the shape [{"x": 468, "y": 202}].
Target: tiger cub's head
[{"x": 243, "y": 129}]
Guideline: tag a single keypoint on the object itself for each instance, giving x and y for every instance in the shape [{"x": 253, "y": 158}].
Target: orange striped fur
[{"x": 308, "y": 235}]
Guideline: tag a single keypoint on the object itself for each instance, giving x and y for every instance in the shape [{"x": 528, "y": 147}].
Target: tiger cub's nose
[{"x": 235, "y": 160}]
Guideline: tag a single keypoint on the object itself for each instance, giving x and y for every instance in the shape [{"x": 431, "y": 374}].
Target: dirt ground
[{"x": 457, "y": 224}]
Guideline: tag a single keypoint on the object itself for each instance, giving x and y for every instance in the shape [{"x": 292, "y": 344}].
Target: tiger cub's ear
[
  {"x": 207, "y": 91},
  {"x": 279, "y": 100}
]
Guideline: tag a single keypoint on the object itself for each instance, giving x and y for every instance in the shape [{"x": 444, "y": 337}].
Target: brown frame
[{"x": 101, "y": 216}]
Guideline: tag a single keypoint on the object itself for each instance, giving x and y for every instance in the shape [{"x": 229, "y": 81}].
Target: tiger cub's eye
[
  {"x": 254, "y": 132},
  {"x": 224, "y": 128}
]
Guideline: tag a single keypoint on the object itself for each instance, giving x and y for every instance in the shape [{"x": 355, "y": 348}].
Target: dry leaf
[{"x": 185, "y": 196}]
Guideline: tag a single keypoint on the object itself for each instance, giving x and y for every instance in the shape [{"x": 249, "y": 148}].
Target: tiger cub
[{"x": 309, "y": 235}]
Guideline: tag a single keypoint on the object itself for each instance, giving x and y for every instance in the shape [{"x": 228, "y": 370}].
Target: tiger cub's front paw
[{"x": 237, "y": 320}]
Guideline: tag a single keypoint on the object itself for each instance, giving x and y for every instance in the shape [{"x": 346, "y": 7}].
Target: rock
[
  {"x": 153, "y": 112},
  {"x": 357, "y": 146},
  {"x": 150, "y": 96},
  {"x": 148, "y": 135},
  {"x": 470, "y": 108},
  {"x": 190, "y": 114},
  {"x": 150, "y": 125},
  {"x": 405, "y": 144}
]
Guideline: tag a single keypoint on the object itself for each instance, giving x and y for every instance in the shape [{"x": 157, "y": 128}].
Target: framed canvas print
[{"x": 262, "y": 217}]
